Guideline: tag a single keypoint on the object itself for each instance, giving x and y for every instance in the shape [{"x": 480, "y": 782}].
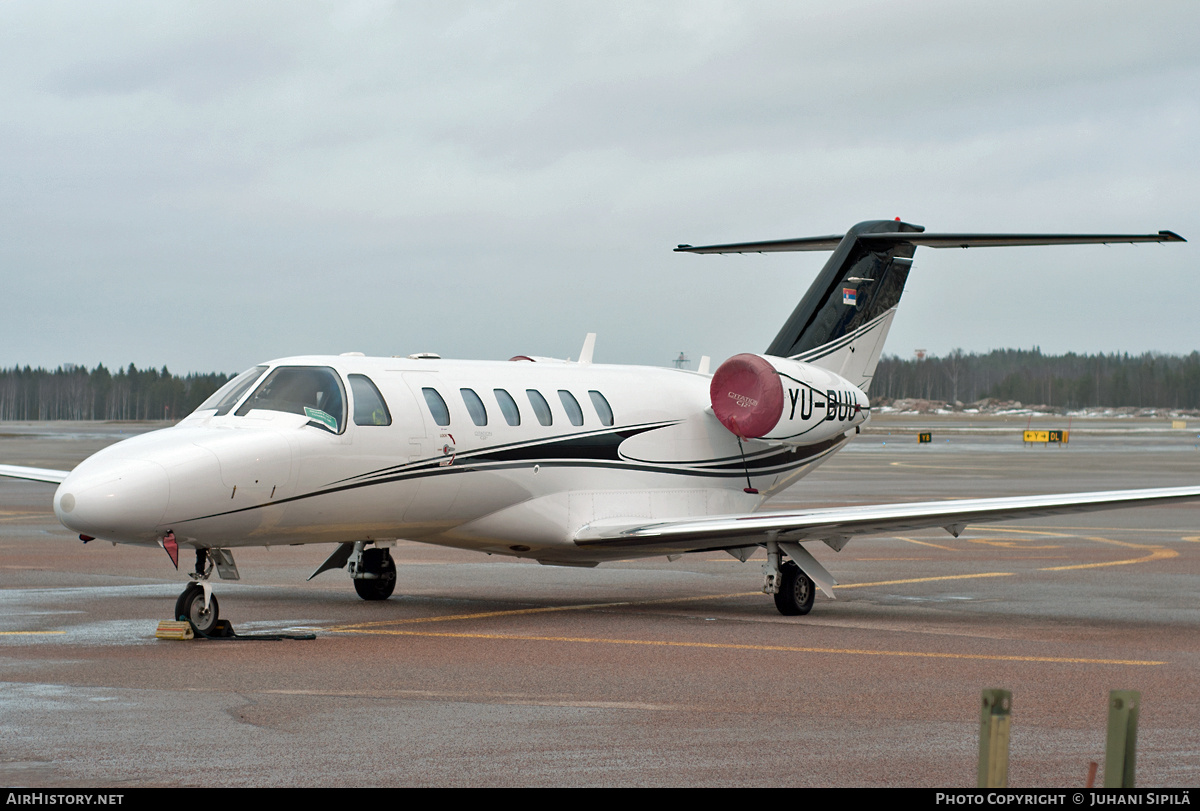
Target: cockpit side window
[
  {"x": 312, "y": 391},
  {"x": 369, "y": 406},
  {"x": 437, "y": 406},
  {"x": 226, "y": 397}
]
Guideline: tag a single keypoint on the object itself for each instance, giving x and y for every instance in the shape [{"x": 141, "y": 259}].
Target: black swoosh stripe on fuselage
[
  {"x": 800, "y": 457},
  {"x": 603, "y": 444},
  {"x": 600, "y": 444}
]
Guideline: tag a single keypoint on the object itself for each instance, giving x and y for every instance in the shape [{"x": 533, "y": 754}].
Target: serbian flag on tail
[{"x": 849, "y": 296}]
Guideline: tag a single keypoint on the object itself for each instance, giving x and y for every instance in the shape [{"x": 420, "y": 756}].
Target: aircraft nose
[{"x": 122, "y": 500}]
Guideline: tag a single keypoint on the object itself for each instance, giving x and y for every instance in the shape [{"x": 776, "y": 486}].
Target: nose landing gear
[{"x": 197, "y": 604}]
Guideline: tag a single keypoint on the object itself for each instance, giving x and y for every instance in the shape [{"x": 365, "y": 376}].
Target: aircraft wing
[
  {"x": 837, "y": 525},
  {"x": 37, "y": 474}
]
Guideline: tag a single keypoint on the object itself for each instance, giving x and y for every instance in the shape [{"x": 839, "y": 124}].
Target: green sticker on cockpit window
[{"x": 320, "y": 416}]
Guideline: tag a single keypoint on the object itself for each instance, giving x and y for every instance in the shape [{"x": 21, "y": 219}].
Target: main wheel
[
  {"x": 377, "y": 562},
  {"x": 796, "y": 591},
  {"x": 203, "y": 620}
]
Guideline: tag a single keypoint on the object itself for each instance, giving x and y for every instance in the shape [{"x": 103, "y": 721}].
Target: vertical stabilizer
[{"x": 843, "y": 319}]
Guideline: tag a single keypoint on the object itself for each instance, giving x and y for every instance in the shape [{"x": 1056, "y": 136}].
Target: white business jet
[{"x": 566, "y": 463}]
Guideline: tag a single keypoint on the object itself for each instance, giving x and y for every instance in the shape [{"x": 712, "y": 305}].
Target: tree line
[
  {"x": 71, "y": 392},
  {"x": 1149, "y": 380}
]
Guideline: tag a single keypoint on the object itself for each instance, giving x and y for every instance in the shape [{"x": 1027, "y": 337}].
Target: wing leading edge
[
  {"x": 837, "y": 525},
  {"x": 37, "y": 474}
]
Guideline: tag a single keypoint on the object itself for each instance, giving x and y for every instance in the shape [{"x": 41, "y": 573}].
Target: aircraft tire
[
  {"x": 377, "y": 561},
  {"x": 203, "y": 622},
  {"x": 796, "y": 591},
  {"x": 181, "y": 603}
]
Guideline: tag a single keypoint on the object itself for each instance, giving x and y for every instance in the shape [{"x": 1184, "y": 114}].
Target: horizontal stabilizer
[
  {"x": 828, "y": 243},
  {"x": 37, "y": 474},
  {"x": 771, "y": 246}
]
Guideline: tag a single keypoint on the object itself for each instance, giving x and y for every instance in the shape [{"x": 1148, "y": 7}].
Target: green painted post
[
  {"x": 994, "y": 716},
  {"x": 1120, "y": 753}
]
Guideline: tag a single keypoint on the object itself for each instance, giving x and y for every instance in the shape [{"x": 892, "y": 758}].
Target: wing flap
[
  {"x": 37, "y": 474},
  {"x": 719, "y": 531}
]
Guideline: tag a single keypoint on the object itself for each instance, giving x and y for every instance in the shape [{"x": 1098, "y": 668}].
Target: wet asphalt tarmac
[{"x": 488, "y": 672}]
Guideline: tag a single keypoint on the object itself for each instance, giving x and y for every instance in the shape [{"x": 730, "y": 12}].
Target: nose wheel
[
  {"x": 197, "y": 604},
  {"x": 192, "y": 607}
]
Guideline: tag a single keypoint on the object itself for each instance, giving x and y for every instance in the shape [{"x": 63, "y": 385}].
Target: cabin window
[
  {"x": 571, "y": 405},
  {"x": 540, "y": 407},
  {"x": 474, "y": 406},
  {"x": 437, "y": 406},
  {"x": 226, "y": 397},
  {"x": 603, "y": 409},
  {"x": 312, "y": 391},
  {"x": 369, "y": 407},
  {"x": 508, "y": 407}
]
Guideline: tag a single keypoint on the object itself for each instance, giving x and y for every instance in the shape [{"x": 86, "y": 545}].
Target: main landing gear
[
  {"x": 375, "y": 574},
  {"x": 372, "y": 570},
  {"x": 796, "y": 591},
  {"x": 792, "y": 589}
]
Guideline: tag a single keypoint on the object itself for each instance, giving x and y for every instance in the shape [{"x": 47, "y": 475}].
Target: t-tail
[{"x": 842, "y": 321}]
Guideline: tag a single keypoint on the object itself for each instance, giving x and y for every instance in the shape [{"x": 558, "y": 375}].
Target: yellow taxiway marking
[
  {"x": 547, "y": 610},
  {"x": 1017, "y": 544},
  {"x": 1028, "y": 532},
  {"x": 29, "y": 633},
  {"x": 941, "y": 467},
  {"x": 890, "y": 560},
  {"x": 541, "y": 610},
  {"x": 927, "y": 543},
  {"x": 769, "y": 648},
  {"x": 925, "y": 579},
  {"x": 1089, "y": 529},
  {"x": 1155, "y": 553}
]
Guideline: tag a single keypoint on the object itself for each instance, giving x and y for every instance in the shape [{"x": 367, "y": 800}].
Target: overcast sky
[{"x": 209, "y": 185}]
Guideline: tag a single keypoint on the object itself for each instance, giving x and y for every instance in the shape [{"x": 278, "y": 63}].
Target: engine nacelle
[{"x": 763, "y": 397}]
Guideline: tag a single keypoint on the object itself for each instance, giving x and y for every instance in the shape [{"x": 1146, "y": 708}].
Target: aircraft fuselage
[{"x": 507, "y": 458}]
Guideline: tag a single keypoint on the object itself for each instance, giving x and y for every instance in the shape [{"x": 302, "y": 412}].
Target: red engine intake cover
[{"x": 747, "y": 395}]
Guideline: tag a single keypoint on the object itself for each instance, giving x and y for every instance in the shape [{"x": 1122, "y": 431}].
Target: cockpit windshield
[
  {"x": 312, "y": 391},
  {"x": 227, "y": 396}
]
